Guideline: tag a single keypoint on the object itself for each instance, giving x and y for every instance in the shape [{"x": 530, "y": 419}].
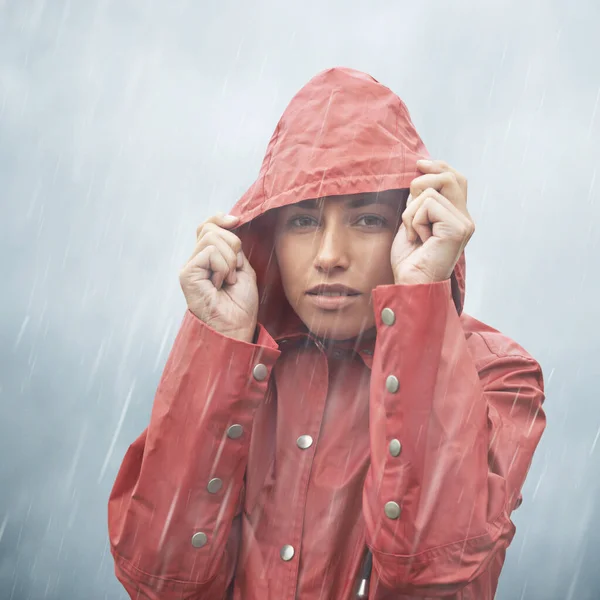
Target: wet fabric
[{"x": 268, "y": 468}]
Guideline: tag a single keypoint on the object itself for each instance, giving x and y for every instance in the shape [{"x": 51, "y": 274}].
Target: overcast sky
[{"x": 124, "y": 124}]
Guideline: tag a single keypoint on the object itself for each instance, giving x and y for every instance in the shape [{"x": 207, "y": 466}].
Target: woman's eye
[
  {"x": 302, "y": 222},
  {"x": 371, "y": 221}
]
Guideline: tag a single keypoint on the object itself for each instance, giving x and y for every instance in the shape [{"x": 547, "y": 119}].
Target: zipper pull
[{"x": 365, "y": 576}]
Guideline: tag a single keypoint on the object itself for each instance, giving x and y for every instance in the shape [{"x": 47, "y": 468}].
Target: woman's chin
[{"x": 337, "y": 331}]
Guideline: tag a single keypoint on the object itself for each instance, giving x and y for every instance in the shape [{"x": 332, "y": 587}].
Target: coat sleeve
[
  {"x": 450, "y": 447},
  {"x": 171, "y": 534}
]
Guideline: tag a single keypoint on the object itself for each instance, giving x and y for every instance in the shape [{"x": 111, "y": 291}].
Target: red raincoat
[{"x": 268, "y": 468}]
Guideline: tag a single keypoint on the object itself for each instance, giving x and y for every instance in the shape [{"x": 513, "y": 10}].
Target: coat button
[
  {"x": 388, "y": 316},
  {"x": 287, "y": 552},
  {"x": 214, "y": 485},
  {"x": 392, "y": 384},
  {"x": 395, "y": 447},
  {"x": 260, "y": 372},
  {"x": 199, "y": 539},
  {"x": 235, "y": 431},
  {"x": 392, "y": 510},
  {"x": 304, "y": 442}
]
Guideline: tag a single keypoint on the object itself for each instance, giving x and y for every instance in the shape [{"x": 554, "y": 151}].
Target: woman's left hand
[{"x": 436, "y": 226}]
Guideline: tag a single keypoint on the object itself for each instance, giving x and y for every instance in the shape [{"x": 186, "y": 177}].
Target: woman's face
[{"x": 342, "y": 243}]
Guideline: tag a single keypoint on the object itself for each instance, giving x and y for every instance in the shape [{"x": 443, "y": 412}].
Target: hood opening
[{"x": 343, "y": 133}]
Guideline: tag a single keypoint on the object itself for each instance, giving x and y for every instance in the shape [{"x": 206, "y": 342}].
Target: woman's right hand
[{"x": 218, "y": 282}]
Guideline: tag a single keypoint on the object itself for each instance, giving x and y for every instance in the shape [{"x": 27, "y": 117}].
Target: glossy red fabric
[{"x": 468, "y": 413}]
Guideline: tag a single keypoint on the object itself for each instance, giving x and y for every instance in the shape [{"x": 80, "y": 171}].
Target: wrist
[
  {"x": 249, "y": 336},
  {"x": 415, "y": 277},
  {"x": 412, "y": 279}
]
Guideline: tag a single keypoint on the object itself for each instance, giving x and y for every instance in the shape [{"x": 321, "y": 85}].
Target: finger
[
  {"x": 417, "y": 229},
  {"x": 230, "y": 238},
  {"x": 210, "y": 226},
  {"x": 440, "y": 166},
  {"x": 429, "y": 213},
  {"x": 244, "y": 264},
  {"x": 408, "y": 215},
  {"x": 219, "y": 269},
  {"x": 437, "y": 216},
  {"x": 445, "y": 183},
  {"x": 436, "y": 166},
  {"x": 213, "y": 238},
  {"x": 209, "y": 265},
  {"x": 220, "y": 220},
  {"x": 229, "y": 244}
]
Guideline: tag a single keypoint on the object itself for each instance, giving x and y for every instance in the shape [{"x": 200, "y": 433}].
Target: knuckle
[
  {"x": 209, "y": 238},
  {"x": 466, "y": 231},
  {"x": 204, "y": 228}
]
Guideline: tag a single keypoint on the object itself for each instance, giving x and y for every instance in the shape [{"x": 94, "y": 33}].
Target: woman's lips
[{"x": 332, "y": 300}]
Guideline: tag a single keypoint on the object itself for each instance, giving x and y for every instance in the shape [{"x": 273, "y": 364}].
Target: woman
[{"x": 330, "y": 424}]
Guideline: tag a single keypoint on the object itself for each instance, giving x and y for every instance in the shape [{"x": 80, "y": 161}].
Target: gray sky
[{"x": 124, "y": 124}]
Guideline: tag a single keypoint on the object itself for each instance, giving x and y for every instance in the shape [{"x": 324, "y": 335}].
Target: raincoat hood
[{"x": 343, "y": 133}]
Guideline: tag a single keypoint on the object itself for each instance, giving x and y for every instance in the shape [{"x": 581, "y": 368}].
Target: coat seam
[
  {"x": 422, "y": 556},
  {"x": 264, "y": 179},
  {"x": 503, "y": 354},
  {"x": 290, "y": 190},
  {"x": 131, "y": 567}
]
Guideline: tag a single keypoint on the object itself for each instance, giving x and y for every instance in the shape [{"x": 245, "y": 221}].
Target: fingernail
[
  {"x": 424, "y": 161},
  {"x": 240, "y": 260},
  {"x": 231, "y": 218}
]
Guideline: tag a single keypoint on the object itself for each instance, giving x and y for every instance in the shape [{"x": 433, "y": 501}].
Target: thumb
[{"x": 243, "y": 264}]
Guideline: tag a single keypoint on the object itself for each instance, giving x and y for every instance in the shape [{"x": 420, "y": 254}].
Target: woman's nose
[{"x": 332, "y": 250}]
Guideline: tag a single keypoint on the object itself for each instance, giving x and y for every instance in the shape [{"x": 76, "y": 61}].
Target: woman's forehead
[{"x": 389, "y": 197}]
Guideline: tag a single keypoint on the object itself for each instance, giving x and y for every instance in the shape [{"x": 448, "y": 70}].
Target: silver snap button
[
  {"x": 388, "y": 316},
  {"x": 214, "y": 485},
  {"x": 304, "y": 442},
  {"x": 235, "y": 431},
  {"x": 260, "y": 372},
  {"x": 392, "y": 384},
  {"x": 395, "y": 447},
  {"x": 287, "y": 552},
  {"x": 199, "y": 539},
  {"x": 392, "y": 510}
]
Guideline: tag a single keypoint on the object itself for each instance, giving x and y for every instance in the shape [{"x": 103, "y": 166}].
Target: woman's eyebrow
[
  {"x": 316, "y": 204},
  {"x": 308, "y": 204},
  {"x": 368, "y": 200}
]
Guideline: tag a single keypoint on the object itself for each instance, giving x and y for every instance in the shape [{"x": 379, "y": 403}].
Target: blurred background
[{"x": 124, "y": 124}]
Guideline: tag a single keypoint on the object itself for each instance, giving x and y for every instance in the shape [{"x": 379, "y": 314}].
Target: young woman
[{"x": 330, "y": 424}]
